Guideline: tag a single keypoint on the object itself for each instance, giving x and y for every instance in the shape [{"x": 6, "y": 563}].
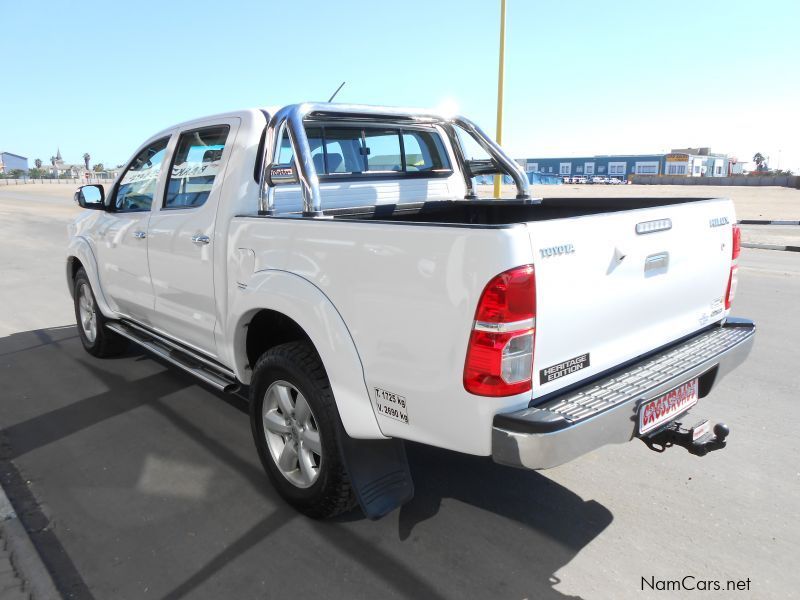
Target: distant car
[
  {"x": 614, "y": 180},
  {"x": 597, "y": 179}
]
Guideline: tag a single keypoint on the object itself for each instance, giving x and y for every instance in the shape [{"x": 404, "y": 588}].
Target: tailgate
[{"x": 606, "y": 294}]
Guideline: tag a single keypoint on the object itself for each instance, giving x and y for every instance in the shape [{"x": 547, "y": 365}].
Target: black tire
[
  {"x": 105, "y": 343},
  {"x": 298, "y": 365}
]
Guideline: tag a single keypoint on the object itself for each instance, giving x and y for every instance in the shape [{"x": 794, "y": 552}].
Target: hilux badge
[{"x": 718, "y": 221}]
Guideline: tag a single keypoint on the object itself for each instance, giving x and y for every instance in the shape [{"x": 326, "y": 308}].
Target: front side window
[
  {"x": 138, "y": 185},
  {"x": 197, "y": 161}
]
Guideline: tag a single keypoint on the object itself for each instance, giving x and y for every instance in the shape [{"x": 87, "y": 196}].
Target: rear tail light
[
  {"x": 733, "y": 278},
  {"x": 736, "y": 248},
  {"x": 500, "y": 353}
]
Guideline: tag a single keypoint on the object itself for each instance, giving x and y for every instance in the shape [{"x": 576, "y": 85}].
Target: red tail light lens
[
  {"x": 733, "y": 278},
  {"x": 737, "y": 242},
  {"x": 500, "y": 353}
]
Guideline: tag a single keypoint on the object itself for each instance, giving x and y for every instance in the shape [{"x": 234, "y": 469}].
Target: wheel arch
[
  {"x": 278, "y": 307},
  {"x": 80, "y": 254}
]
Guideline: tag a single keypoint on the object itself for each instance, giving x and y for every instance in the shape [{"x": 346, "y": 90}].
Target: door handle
[
  {"x": 139, "y": 235},
  {"x": 199, "y": 238}
]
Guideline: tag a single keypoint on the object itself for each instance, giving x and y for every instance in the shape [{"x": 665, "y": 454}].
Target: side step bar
[{"x": 203, "y": 368}]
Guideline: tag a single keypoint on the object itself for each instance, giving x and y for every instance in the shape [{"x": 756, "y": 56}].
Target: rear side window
[
  {"x": 197, "y": 161},
  {"x": 138, "y": 185},
  {"x": 383, "y": 150},
  {"x": 424, "y": 151},
  {"x": 341, "y": 150},
  {"x": 314, "y": 135},
  {"x": 344, "y": 151}
]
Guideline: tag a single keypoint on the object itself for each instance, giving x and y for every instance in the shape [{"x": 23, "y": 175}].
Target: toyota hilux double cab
[{"x": 335, "y": 264}]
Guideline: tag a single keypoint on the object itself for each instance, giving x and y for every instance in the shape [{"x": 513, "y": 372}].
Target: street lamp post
[{"x": 498, "y": 179}]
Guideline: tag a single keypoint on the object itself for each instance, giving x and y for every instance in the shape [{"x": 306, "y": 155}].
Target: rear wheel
[
  {"x": 96, "y": 339},
  {"x": 296, "y": 429}
]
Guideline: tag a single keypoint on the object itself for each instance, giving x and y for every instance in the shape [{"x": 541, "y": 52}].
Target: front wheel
[
  {"x": 296, "y": 429},
  {"x": 96, "y": 339}
]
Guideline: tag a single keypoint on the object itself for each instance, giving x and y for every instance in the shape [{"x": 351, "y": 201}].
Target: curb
[
  {"x": 758, "y": 222},
  {"x": 24, "y": 558},
  {"x": 770, "y": 247}
]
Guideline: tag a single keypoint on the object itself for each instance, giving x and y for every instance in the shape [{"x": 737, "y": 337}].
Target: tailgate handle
[{"x": 659, "y": 261}]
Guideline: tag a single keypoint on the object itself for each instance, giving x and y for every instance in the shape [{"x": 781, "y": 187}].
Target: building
[
  {"x": 61, "y": 169},
  {"x": 11, "y": 162},
  {"x": 691, "y": 162}
]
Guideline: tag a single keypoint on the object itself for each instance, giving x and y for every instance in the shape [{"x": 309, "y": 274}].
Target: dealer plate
[{"x": 663, "y": 409}]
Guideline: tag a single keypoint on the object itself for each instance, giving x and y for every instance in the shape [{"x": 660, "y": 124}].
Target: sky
[{"x": 581, "y": 77}]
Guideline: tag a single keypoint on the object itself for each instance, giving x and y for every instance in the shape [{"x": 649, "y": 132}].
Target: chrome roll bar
[{"x": 289, "y": 120}]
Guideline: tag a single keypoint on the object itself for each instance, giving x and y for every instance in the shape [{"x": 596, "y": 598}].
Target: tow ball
[{"x": 699, "y": 439}]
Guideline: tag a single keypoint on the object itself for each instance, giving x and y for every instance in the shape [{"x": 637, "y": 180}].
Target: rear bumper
[{"x": 605, "y": 411}]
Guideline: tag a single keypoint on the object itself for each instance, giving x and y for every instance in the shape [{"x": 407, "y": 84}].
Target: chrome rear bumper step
[
  {"x": 605, "y": 412},
  {"x": 193, "y": 363}
]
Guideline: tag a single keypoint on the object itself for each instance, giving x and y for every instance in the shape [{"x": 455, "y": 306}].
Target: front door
[
  {"x": 121, "y": 240},
  {"x": 181, "y": 241}
]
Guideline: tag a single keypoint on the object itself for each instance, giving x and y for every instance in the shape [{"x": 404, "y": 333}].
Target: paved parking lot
[{"x": 137, "y": 482}]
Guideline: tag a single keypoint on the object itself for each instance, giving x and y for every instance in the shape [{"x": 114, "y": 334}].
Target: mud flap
[{"x": 379, "y": 474}]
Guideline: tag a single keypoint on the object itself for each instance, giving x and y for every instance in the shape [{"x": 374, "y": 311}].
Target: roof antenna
[{"x": 336, "y": 92}]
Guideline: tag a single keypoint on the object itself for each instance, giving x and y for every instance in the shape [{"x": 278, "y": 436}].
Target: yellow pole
[{"x": 498, "y": 179}]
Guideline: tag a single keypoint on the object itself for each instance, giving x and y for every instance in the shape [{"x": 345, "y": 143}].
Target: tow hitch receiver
[{"x": 699, "y": 439}]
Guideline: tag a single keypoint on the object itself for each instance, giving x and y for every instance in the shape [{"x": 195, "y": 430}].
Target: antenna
[{"x": 336, "y": 92}]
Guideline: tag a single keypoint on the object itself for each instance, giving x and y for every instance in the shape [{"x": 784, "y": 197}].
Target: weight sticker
[{"x": 391, "y": 405}]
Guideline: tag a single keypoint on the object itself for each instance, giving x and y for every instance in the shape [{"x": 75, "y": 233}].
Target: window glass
[
  {"x": 471, "y": 149},
  {"x": 138, "y": 184},
  {"x": 195, "y": 166},
  {"x": 343, "y": 149},
  {"x": 383, "y": 150},
  {"x": 423, "y": 151},
  {"x": 314, "y": 134}
]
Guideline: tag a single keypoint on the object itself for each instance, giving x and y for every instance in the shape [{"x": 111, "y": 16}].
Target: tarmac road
[{"x": 137, "y": 482}]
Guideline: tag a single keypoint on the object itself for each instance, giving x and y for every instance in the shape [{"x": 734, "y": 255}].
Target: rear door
[
  {"x": 611, "y": 287},
  {"x": 181, "y": 241}
]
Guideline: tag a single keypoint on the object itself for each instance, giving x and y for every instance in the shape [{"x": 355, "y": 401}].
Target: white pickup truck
[{"x": 334, "y": 261}]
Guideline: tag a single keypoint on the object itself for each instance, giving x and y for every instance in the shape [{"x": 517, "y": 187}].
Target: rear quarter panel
[{"x": 407, "y": 294}]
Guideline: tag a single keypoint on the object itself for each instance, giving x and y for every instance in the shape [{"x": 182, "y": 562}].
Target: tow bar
[{"x": 697, "y": 439}]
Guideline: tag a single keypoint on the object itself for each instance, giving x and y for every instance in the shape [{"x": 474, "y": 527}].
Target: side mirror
[
  {"x": 91, "y": 197},
  {"x": 281, "y": 174}
]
